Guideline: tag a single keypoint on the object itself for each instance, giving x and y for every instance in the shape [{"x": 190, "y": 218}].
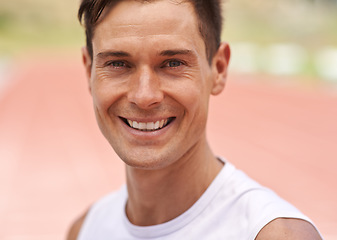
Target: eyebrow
[
  {"x": 112, "y": 54},
  {"x": 174, "y": 52},
  {"x": 168, "y": 53}
]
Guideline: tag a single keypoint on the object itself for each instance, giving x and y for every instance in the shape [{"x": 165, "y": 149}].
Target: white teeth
[
  {"x": 149, "y": 126},
  {"x": 156, "y": 125},
  {"x": 142, "y": 126}
]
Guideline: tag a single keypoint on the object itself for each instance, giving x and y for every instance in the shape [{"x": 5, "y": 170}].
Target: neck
[{"x": 157, "y": 196}]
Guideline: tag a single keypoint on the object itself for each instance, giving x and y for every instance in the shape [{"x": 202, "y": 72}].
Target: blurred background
[
  {"x": 278, "y": 115},
  {"x": 279, "y": 37},
  {"x": 284, "y": 37}
]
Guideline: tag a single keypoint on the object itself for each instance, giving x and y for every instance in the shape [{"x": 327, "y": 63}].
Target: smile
[{"x": 148, "y": 126}]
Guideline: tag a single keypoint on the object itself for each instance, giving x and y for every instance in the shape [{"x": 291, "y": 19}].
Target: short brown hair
[{"x": 208, "y": 12}]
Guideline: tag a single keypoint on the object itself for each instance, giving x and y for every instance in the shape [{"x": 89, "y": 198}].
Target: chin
[{"x": 148, "y": 161}]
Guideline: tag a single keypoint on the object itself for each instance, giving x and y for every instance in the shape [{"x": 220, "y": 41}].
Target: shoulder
[
  {"x": 288, "y": 229},
  {"x": 76, "y": 227},
  {"x": 104, "y": 210}
]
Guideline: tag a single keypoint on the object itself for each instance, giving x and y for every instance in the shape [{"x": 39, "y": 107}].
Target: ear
[
  {"x": 87, "y": 62},
  {"x": 219, "y": 67}
]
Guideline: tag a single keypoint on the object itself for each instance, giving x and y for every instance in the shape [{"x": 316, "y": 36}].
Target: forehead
[{"x": 148, "y": 21}]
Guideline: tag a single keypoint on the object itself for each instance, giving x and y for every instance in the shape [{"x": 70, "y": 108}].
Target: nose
[{"x": 145, "y": 89}]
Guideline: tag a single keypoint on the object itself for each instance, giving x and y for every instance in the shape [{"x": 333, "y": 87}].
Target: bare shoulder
[
  {"x": 76, "y": 227},
  {"x": 288, "y": 229}
]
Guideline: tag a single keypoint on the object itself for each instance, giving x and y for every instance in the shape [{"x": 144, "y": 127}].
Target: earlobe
[
  {"x": 220, "y": 66},
  {"x": 87, "y": 62}
]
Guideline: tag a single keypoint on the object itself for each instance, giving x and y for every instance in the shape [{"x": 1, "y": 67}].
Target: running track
[{"x": 54, "y": 161}]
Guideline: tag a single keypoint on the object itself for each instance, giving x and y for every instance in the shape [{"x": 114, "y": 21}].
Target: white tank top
[{"x": 233, "y": 207}]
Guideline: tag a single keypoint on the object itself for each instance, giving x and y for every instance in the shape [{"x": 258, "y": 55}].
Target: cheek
[
  {"x": 100, "y": 105},
  {"x": 100, "y": 98},
  {"x": 194, "y": 98},
  {"x": 104, "y": 94},
  {"x": 102, "y": 101}
]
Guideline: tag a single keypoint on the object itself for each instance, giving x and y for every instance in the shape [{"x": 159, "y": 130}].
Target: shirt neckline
[{"x": 179, "y": 222}]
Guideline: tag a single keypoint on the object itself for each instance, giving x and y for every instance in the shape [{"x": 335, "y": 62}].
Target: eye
[
  {"x": 173, "y": 63},
  {"x": 116, "y": 64}
]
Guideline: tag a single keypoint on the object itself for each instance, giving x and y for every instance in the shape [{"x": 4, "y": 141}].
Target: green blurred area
[
  {"x": 304, "y": 30},
  {"x": 40, "y": 23},
  {"x": 28, "y": 25},
  {"x": 310, "y": 23}
]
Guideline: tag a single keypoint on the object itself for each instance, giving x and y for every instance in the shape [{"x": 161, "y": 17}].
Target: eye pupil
[
  {"x": 118, "y": 64},
  {"x": 174, "y": 64}
]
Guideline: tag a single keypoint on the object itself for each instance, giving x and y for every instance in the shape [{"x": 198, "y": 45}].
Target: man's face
[{"x": 150, "y": 82}]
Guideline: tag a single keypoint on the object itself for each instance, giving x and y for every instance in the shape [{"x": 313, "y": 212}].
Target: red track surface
[{"x": 54, "y": 161}]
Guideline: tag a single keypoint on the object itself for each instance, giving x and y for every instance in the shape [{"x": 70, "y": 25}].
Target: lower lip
[{"x": 150, "y": 135}]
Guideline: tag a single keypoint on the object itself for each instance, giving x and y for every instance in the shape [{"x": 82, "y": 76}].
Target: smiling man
[{"x": 152, "y": 67}]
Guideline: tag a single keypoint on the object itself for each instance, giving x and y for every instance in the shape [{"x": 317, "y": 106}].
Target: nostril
[
  {"x": 145, "y": 88},
  {"x": 146, "y": 98}
]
